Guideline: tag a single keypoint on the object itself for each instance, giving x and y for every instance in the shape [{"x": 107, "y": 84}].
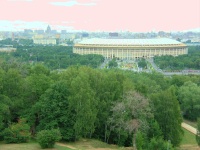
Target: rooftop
[{"x": 158, "y": 41}]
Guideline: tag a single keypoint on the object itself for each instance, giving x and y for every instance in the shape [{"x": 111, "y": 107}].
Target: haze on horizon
[{"x": 101, "y": 15}]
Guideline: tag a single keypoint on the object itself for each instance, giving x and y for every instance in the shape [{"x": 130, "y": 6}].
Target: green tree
[
  {"x": 188, "y": 95},
  {"x": 5, "y": 113},
  {"x": 139, "y": 140},
  {"x": 55, "y": 112},
  {"x": 83, "y": 102},
  {"x": 17, "y": 132},
  {"x": 142, "y": 63},
  {"x": 112, "y": 63},
  {"x": 131, "y": 114},
  {"x": 167, "y": 114},
  {"x": 198, "y": 132}
]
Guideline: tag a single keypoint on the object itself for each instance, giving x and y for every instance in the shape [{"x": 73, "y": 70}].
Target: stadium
[{"x": 130, "y": 48}]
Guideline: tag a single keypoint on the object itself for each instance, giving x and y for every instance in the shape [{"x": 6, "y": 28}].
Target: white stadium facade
[{"x": 130, "y": 48}]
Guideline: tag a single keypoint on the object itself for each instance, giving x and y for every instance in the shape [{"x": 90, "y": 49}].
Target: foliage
[
  {"x": 168, "y": 115},
  {"x": 112, "y": 63},
  {"x": 55, "y": 111},
  {"x": 47, "y": 138},
  {"x": 5, "y": 113},
  {"x": 130, "y": 114},
  {"x": 142, "y": 63},
  {"x": 198, "y": 132},
  {"x": 188, "y": 95},
  {"x": 17, "y": 132},
  {"x": 159, "y": 144},
  {"x": 154, "y": 130},
  {"x": 55, "y": 57},
  {"x": 139, "y": 140},
  {"x": 80, "y": 100},
  {"x": 181, "y": 62}
]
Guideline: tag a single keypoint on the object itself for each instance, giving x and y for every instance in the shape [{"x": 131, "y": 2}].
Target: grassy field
[
  {"x": 84, "y": 144},
  {"x": 28, "y": 146},
  {"x": 91, "y": 144},
  {"x": 189, "y": 141},
  {"x": 188, "y": 138}
]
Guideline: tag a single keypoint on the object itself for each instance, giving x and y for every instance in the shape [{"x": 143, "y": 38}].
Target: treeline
[
  {"x": 115, "y": 106},
  {"x": 54, "y": 57},
  {"x": 189, "y": 61}
]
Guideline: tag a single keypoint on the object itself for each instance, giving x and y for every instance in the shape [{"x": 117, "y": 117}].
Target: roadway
[{"x": 184, "y": 72}]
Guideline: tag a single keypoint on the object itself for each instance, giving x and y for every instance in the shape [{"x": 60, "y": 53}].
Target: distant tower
[
  {"x": 48, "y": 31},
  {"x": 13, "y": 36}
]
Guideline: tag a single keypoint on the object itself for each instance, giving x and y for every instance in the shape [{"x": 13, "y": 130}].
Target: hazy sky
[{"x": 101, "y": 15}]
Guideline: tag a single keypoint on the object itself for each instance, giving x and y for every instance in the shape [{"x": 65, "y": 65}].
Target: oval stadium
[{"x": 130, "y": 48}]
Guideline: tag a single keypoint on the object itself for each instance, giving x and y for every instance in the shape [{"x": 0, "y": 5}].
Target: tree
[
  {"x": 5, "y": 113},
  {"x": 139, "y": 140},
  {"x": 84, "y": 104},
  {"x": 188, "y": 95},
  {"x": 12, "y": 83},
  {"x": 142, "y": 63},
  {"x": 112, "y": 63},
  {"x": 17, "y": 132},
  {"x": 167, "y": 114},
  {"x": 54, "y": 111},
  {"x": 198, "y": 132},
  {"x": 131, "y": 114}
]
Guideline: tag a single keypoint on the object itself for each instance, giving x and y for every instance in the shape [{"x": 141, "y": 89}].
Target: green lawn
[
  {"x": 82, "y": 144},
  {"x": 61, "y": 147},
  {"x": 188, "y": 138},
  {"x": 28, "y": 146},
  {"x": 188, "y": 143},
  {"x": 92, "y": 144}
]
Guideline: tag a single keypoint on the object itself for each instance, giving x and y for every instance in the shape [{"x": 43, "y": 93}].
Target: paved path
[
  {"x": 189, "y": 128},
  {"x": 66, "y": 145}
]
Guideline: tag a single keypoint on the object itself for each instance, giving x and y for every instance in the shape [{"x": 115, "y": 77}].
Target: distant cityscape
[{"x": 50, "y": 36}]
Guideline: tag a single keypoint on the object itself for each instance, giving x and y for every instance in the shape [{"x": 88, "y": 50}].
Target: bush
[
  {"x": 17, "y": 133},
  {"x": 47, "y": 138},
  {"x": 159, "y": 144}
]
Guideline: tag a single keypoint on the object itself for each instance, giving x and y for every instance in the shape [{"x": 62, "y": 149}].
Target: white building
[
  {"x": 43, "y": 40},
  {"x": 130, "y": 48}
]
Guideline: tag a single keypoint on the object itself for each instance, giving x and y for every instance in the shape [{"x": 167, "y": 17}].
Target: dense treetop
[
  {"x": 181, "y": 62},
  {"x": 116, "y": 106}
]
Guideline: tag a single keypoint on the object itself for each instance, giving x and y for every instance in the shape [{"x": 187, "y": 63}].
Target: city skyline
[{"x": 101, "y": 15}]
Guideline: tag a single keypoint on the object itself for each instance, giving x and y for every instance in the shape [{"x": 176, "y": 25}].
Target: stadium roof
[{"x": 158, "y": 41}]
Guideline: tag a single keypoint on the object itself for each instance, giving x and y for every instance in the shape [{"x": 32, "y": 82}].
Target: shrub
[
  {"x": 47, "y": 138},
  {"x": 17, "y": 133},
  {"x": 159, "y": 144}
]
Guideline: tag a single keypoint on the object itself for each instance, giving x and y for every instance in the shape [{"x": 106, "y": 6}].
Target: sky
[{"x": 101, "y": 15}]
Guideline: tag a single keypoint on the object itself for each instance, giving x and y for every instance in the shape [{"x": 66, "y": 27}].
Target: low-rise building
[{"x": 130, "y": 48}]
